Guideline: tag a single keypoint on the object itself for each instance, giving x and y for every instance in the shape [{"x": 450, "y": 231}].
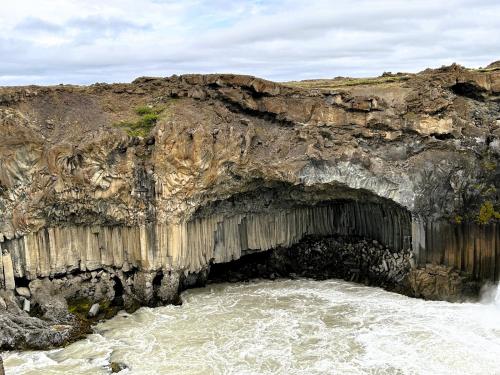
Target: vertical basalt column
[
  {"x": 192, "y": 245},
  {"x": 8, "y": 270},
  {"x": 468, "y": 247},
  {"x": 418, "y": 240},
  {"x": 2, "y": 371},
  {"x": 2, "y": 278}
]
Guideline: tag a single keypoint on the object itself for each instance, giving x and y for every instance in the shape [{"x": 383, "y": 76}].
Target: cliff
[{"x": 131, "y": 191}]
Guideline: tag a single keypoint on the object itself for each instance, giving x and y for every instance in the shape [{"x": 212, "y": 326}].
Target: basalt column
[
  {"x": 216, "y": 235},
  {"x": 468, "y": 247}
]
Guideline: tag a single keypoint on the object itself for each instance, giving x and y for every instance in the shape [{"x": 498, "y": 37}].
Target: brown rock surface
[{"x": 64, "y": 160}]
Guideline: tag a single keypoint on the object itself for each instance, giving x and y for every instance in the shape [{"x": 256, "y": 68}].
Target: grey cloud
[
  {"x": 81, "y": 29},
  {"x": 33, "y": 24},
  {"x": 296, "y": 41},
  {"x": 115, "y": 25}
]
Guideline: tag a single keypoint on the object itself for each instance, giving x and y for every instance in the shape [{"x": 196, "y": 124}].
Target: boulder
[
  {"x": 94, "y": 310},
  {"x": 26, "y": 305},
  {"x": 116, "y": 367},
  {"x": 23, "y": 292}
]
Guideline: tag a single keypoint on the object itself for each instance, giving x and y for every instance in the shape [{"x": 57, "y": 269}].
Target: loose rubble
[
  {"x": 349, "y": 258},
  {"x": 353, "y": 259}
]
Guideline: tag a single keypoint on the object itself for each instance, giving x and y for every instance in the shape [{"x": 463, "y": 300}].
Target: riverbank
[{"x": 284, "y": 326}]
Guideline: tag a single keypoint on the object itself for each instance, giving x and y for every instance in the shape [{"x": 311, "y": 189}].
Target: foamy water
[{"x": 286, "y": 327}]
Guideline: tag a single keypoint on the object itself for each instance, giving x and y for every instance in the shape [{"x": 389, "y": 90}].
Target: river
[{"x": 285, "y": 327}]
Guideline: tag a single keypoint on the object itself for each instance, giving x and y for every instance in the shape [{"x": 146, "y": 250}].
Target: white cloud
[{"x": 71, "y": 41}]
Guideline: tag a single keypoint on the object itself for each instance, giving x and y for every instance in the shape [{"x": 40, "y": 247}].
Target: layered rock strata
[{"x": 125, "y": 194}]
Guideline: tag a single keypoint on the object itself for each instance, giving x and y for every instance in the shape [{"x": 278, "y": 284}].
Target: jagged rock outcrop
[{"x": 133, "y": 190}]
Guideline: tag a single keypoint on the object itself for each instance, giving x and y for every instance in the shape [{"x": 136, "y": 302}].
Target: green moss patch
[
  {"x": 79, "y": 306},
  {"x": 487, "y": 213},
  {"x": 148, "y": 117}
]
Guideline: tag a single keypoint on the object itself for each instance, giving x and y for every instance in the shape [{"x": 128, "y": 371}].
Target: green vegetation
[
  {"x": 146, "y": 122},
  {"x": 479, "y": 192},
  {"x": 487, "y": 212},
  {"x": 80, "y": 306},
  {"x": 489, "y": 165},
  {"x": 487, "y": 190},
  {"x": 463, "y": 190},
  {"x": 345, "y": 82},
  {"x": 144, "y": 110},
  {"x": 484, "y": 70}
]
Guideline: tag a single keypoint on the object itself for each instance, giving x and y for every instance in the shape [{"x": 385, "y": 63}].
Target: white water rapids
[{"x": 286, "y": 327}]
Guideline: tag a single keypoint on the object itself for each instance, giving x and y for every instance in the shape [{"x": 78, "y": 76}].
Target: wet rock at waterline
[
  {"x": 122, "y": 195},
  {"x": 117, "y": 367},
  {"x": 94, "y": 310},
  {"x": 21, "y": 331}
]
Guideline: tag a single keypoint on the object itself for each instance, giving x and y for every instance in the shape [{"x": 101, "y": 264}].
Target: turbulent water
[{"x": 286, "y": 327}]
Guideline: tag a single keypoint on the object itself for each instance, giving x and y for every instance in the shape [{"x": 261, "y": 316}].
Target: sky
[{"x": 82, "y": 42}]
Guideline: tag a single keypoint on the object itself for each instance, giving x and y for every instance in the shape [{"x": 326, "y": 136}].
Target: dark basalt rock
[
  {"x": 117, "y": 367},
  {"x": 349, "y": 258}
]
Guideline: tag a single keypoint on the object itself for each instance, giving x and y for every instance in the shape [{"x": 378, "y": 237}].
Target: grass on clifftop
[
  {"x": 146, "y": 122},
  {"x": 345, "y": 82},
  {"x": 484, "y": 70}
]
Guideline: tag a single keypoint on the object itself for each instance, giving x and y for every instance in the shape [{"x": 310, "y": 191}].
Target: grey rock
[
  {"x": 19, "y": 331},
  {"x": 26, "y": 305},
  {"x": 412, "y": 263},
  {"x": 23, "y": 292},
  {"x": 386, "y": 267},
  {"x": 116, "y": 367},
  {"x": 94, "y": 310},
  {"x": 168, "y": 290}
]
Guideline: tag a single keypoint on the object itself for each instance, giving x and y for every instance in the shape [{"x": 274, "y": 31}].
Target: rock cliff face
[{"x": 124, "y": 194}]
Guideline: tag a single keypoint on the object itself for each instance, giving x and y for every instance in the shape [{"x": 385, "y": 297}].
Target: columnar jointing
[
  {"x": 469, "y": 247},
  {"x": 192, "y": 245}
]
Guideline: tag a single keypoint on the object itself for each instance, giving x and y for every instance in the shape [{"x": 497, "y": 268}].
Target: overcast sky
[{"x": 69, "y": 41}]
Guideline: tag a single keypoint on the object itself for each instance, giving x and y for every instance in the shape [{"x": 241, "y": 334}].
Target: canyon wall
[{"x": 129, "y": 192}]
